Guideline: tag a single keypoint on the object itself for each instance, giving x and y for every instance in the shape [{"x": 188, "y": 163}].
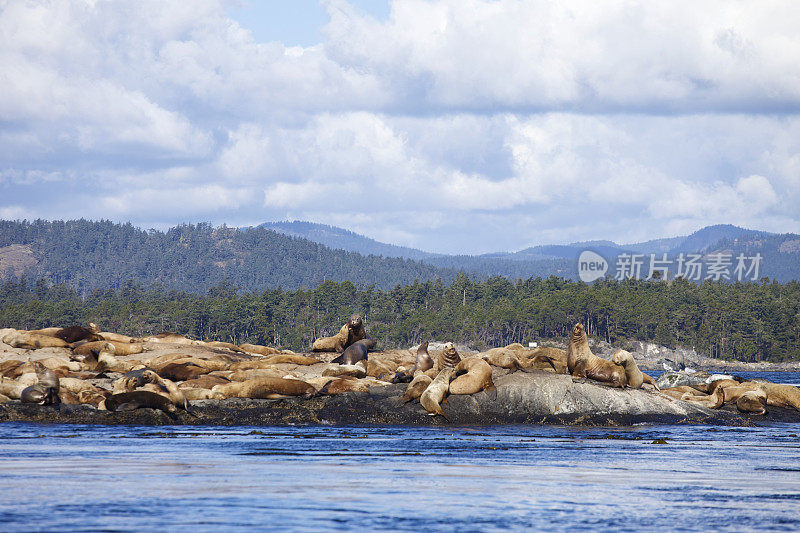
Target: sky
[{"x": 453, "y": 126}]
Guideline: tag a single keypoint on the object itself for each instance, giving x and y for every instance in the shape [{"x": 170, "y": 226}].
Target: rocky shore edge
[{"x": 520, "y": 398}]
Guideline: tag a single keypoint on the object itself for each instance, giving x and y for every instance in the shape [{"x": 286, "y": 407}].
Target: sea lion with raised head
[
  {"x": 422, "y": 363},
  {"x": 436, "y": 392},
  {"x": 582, "y": 363},
  {"x": 45, "y": 391},
  {"x": 636, "y": 378},
  {"x": 170, "y": 389},
  {"x": 352, "y": 354},
  {"x": 449, "y": 357},
  {"x": 348, "y": 334},
  {"x": 472, "y": 375}
]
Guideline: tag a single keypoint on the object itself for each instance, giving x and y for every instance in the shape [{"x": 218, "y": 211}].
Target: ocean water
[{"x": 673, "y": 478}]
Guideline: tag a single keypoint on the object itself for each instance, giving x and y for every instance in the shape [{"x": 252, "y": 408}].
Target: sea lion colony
[{"x": 77, "y": 365}]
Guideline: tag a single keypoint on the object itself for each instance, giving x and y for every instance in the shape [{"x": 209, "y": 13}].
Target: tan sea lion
[
  {"x": 204, "y": 382},
  {"x": 225, "y": 346},
  {"x": 344, "y": 384},
  {"x": 678, "y": 392},
  {"x": 635, "y": 377},
  {"x": 51, "y": 332},
  {"x": 582, "y": 363},
  {"x": 115, "y": 337},
  {"x": 120, "y": 348},
  {"x": 711, "y": 401},
  {"x": 253, "y": 373},
  {"x": 263, "y": 388},
  {"x": 349, "y": 333},
  {"x": 753, "y": 401},
  {"x": 106, "y": 361},
  {"x": 473, "y": 375},
  {"x": 33, "y": 341},
  {"x": 436, "y": 392},
  {"x": 93, "y": 397},
  {"x": 172, "y": 391},
  {"x": 169, "y": 337},
  {"x": 417, "y": 387},
  {"x": 381, "y": 368},
  {"x": 781, "y": 395},
  {"x": 257, "y": 349},
  {"x": 449, "y": 357},
  {"x": 11, "y": 387}
]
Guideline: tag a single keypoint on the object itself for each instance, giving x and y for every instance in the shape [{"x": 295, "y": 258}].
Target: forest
[{"x": 742, "y": 321}]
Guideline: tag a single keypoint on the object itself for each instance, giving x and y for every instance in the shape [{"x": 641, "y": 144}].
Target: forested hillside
[
  {"x": 749, "y": 322},
  {"x": 99, "y": 255}
]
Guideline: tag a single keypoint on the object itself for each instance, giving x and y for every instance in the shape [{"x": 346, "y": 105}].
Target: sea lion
[
  {"x": 11, "y": 388},
  {"x": 258, "y": 349},
  {"x": 51, "y": 332},
  {"x": 635, "y": 377},
  {"x": 352, "y": 354},
  {"x": 781, "y": 395},
  {"x": 344, "y": 384},
  {"x": 381, "y": 368},
  {"x": 225, "y": 346},
  {"x": 417, "y": 387},
  {"x": 432, "y": 398},
  {"x": 253, "y": 373},
  {"x": 33, "y": 341},
  {"x": 115, "y": 337},
  {"x": 181, "y": 371},
  {"x": 449, "y": 357},
  {"x": 357, "y": 371},
  {"x": 120, "y": 348},
  {"x": 555, "y": 357},
  {"x": 77, "y": 333},
  {"x": 711, "y": 401},
  {"x": 169, "y": 337},
  {"x": 263, "y": 388},
  {"x": 204, "y": 382},
  {"x": 171, "y": 390},
  {"x": 505, "y": 358},
  {"x": 473, "y": 375},
  {"x": 752, "y": 402},
  {"x": 45, "y": 392},
  {"x": 349, "y": 333},
  {"x": 140, "y": 399},
  {"x": 106, "y": 361},
  {"x": 422, "y": 363},
  {"x": 582, "y": 363},
  {"x": 94, "y": 397}
]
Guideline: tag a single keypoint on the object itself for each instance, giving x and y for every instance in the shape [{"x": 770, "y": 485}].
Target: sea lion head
[
  {"x": 621, "y": 357},
  {"x": 577, "y": 331},
  {"x": 355, "y": 322}
]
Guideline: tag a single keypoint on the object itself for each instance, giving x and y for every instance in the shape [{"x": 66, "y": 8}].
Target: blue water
[{"x": 88, "y": 478}]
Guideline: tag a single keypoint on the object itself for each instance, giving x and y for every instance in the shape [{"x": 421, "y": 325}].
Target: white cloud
[{"x": 454, "y": 125}]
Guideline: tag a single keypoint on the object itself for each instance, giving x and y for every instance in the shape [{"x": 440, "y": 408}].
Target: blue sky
[{"x": 456, "y": 126}]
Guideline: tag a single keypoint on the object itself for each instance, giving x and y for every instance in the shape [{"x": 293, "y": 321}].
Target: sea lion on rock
[
  {"x": 436, "y": 392},
  {"x": 422, "y": 363},
  {"x": 182, "y": 371},
  {"x": 204, "y": 382},
  {"x": 45, "y": 392},
  {"x": 344, "y": 384},
  {"x": 225, "y": 346},
  {"x": 258, "y": 349},
  {"x": 582, "y": 363},
  {"x": 140, "y": 399},
  {"x": 449, "y": 357},
  {"x": 711, "y": 401},
  {"x": 77, "y": 333},
  {"x": 473, "y": 375},
  {"x": 263, "y": 388},
  {"x": 356, "y": 371},
  {"x": 381, "y": 368},
  {"x": 253, "y": 373},
  {"x": 352, "y": 354},
  {"x": 781, "y": 395},
  {"x": 120, "y": 348},
  {"x": 33, "y": 341},
  {"x": 753, "y": 401},
  {"x": 636, "y": 378},
  {"x": 170, "y": 389},
  {"x": 115, "y": 337},
  {"x": 349, "y": 333},
  {"x": 417, "y": 387}
]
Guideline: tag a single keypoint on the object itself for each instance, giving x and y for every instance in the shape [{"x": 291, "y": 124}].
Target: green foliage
[{"x": 744, "y": 321}]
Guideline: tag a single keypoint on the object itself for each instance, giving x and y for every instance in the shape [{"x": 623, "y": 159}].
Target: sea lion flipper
[{"x": 127, "y": 406}]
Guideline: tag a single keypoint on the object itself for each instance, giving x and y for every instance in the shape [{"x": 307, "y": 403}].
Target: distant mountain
[{"x": 342, "y": 239}]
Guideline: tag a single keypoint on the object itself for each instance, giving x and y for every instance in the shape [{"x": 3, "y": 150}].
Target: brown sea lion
[
  {"x": 171, "y": 390},
  {"x": 181, "y": 371},
  {"x": 417, "y": 387},
  {"x": 263, "y": 388},
  {"x": 77, "y": 333},
  {"x": 352, "y": 354},
  {"x": 436, "y": 392},
  {"x": 753, "y": 401},
  {"x": 204, "y": 382},
  {"x": 45, "y": 391},
  {"x": 381, "y": 368},
  {"x": 140, "y": 399},
  {"x": 422, "y": 363},
  {"x": 781, "y": 395},
  {"x": 636, "y": 378},
  {"x": 449, "y": 357},
  {"x": 556, "y": 356},
  {"x": 349, "y": 333},
  {"x": 709, "y": 388},
  {"x": 473, "y": 375},
  {"x": 582, "y": 363}
]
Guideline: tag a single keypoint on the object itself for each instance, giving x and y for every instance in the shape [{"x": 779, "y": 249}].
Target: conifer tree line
[{"x": 742, "y": 321}]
